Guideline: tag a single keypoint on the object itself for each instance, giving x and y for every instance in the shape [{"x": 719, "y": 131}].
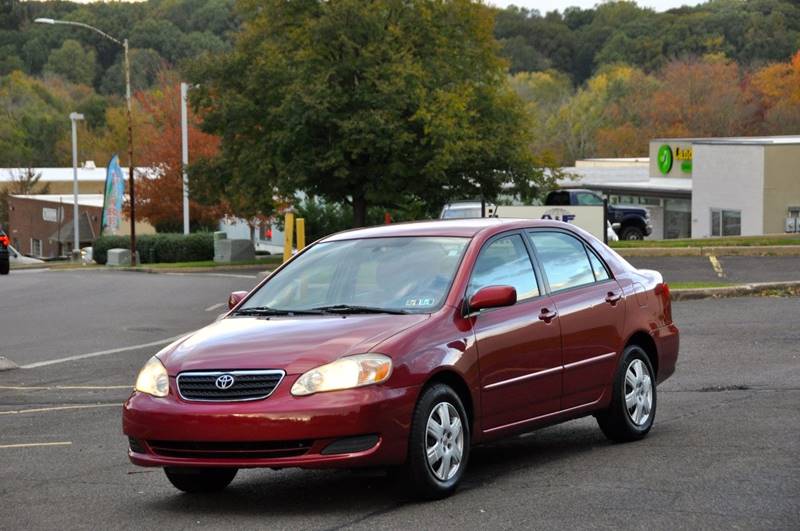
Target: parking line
[
  {"x": 101, "y": 353},
  {"x": 215, "y": 306},
  {"x": 57, "y": 408},
  {"x": 717, "y": 266},
  {"x": 61, "y": 387},
  {"x": 34, "y": 445}
]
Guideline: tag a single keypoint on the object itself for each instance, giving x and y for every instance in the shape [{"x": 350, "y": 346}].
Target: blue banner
[{"x": 112, "y": 201}]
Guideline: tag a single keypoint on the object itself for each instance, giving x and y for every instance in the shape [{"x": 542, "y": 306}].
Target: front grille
[
  {"x": 247, "y": 385},
  {"x": 230, "y": 450}
]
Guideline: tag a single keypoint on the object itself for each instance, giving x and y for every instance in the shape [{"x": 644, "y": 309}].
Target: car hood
[{"x": 294, "y": 344}]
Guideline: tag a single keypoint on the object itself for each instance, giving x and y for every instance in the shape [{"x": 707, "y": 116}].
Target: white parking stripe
[
  {"x": 33, "y": 445},
  {"x": 215, "y": 306},
  {"x": 61, "y": 387},
  {"x": 57, "y": 408},
  {"x": 101, "y": 353}
]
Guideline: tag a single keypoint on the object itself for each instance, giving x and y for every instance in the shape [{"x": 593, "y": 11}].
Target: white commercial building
[{"x": 704, "y": 187}]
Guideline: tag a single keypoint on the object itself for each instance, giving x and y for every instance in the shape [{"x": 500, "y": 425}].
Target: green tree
[
  {"x": 72, "y": 62},
  {"x": 367, "y": 103}
]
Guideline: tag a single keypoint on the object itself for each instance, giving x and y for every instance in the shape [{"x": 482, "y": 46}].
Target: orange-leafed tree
[
  {"x": 701, "y": 98},
  {"x": 777, "y": 90},
  {"x": 159, "y": 197}
]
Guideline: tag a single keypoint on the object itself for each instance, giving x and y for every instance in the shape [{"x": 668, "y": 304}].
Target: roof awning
[{"x": 65, "y": 233}]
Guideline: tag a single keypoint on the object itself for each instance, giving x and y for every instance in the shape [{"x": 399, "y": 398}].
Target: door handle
[
  {"x": 547, "y": 315},
  {"x": 613, "y": 298}
]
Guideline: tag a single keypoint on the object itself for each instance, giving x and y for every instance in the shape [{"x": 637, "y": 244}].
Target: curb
[
  {"x": 188, "y": 270},
  {"x": 741, "y": 290},
  {"x": 7, "y": 365},
  {"x": 718, "y": 250}
]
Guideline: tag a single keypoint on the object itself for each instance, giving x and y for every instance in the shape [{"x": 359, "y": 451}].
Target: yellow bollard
[
  {"x": 301, "y": 234},
  {"x": 288, "y": 235}
]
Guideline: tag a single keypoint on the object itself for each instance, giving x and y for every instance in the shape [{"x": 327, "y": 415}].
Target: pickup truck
[{"x": 630, "y": 222}]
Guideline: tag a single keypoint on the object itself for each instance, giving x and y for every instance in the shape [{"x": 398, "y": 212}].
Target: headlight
[
  {"x": 153, "y": 378},
  {"x": 344, "y": 373}
]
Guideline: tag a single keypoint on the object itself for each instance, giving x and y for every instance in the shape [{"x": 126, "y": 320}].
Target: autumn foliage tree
[{"x": 159, "y": 197}]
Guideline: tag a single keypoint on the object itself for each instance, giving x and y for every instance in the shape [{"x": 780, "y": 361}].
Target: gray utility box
[
  {"x": 227, "y": 251},
  {"x": 120, "y": 257}
]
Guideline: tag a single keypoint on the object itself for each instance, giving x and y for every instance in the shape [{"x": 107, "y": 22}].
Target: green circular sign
[{"x": 664, "y": 159}]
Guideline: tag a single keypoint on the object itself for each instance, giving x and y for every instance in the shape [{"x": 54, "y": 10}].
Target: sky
[{"x": 549, "y": 5}]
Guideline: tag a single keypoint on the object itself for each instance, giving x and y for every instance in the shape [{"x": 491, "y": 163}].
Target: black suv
[{"x": 630, "y": 222}]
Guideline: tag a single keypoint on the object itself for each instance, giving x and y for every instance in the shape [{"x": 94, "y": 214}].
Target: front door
[
  {"x": 591, "y": 309},
  {"x": 519, "y": 346}
]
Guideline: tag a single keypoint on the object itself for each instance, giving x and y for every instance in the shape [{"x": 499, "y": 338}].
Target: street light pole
[
  {"x": 124, "y": 44},
  {"x": 76, "y": 246},
  {"x": 185, "y": 155}
]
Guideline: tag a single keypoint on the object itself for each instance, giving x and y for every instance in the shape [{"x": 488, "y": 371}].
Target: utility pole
[{"x": 124, "y": 44}]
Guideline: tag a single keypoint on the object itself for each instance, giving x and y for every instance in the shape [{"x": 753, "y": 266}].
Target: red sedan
[{"x": 406, "y": 345}]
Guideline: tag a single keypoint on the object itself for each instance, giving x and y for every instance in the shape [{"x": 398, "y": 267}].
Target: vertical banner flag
[{"x": 112, "y": 200}]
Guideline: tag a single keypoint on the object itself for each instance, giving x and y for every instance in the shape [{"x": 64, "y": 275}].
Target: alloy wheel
[
  {"x": 638, "y": 392},
  {"x": 444, "y": 441}
]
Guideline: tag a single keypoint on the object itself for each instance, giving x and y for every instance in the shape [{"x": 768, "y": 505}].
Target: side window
[
  {"x": 600, "y": 271},
  {"x": 563, "y": 258},
  {"x": 585, "y": 198},
  {"x": 505, "y": 262}
]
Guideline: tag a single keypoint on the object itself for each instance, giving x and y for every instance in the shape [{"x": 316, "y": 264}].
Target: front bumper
[{"x": 288, "y": 431}]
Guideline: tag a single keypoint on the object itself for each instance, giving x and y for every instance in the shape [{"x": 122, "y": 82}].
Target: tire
[
  {"x": 195, "y": 480},
  {"x": 635, "y": 379},
  {"x": 432, "y": 478},
  {"x": 5, "y": 264},
  {"x": 631, "y": 233}
]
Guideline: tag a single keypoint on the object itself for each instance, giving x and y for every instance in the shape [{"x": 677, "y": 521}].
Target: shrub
[{"x": 163, "y": 248}]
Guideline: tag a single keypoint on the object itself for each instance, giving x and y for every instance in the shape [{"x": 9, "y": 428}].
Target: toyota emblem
[{"x": 225, "y": 381}]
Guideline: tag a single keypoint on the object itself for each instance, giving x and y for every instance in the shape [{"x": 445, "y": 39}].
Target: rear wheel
[
  {"x": 630, "y": 415},
  {"x": 439, "y": 443},
  {"x": 200, "y": 479}
]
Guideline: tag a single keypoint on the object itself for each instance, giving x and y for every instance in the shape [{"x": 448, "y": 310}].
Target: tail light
[{"x": 662, "y": 291}]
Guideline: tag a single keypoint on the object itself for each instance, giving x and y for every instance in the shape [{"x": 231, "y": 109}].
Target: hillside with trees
[{"x": 589, "y": 82}]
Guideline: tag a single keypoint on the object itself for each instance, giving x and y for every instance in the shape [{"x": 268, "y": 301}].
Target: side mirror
[
  {"x": 492, "y": 297},
  {"x": 236, "y": 298}
]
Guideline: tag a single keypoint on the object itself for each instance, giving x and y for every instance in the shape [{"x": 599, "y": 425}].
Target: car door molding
[
  {"x": 589, "y": 361},
  {"x": 528, "y": 376}
]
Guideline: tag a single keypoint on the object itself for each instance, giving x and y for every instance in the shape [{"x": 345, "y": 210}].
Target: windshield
[{"x": 410, "y": 274}]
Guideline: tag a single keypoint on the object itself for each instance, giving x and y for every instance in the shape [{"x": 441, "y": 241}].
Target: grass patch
[
  {"x": 698, "y": 285},
  {"x": 728, "y": 241}
]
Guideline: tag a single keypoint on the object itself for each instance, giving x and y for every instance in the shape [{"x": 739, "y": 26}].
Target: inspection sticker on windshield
[{"x": 428, "y": 301}]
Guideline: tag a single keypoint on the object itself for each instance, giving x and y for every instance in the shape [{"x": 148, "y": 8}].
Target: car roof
[{"x": 464, "y": 228}]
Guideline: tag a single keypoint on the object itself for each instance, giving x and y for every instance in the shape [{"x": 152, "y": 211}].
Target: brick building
[{"x": 42, "y": 225}]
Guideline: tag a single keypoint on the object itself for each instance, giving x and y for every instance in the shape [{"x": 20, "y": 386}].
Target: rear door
[
  {"x": 591, "y": 310},
  {"x": 519, "y": 352}
]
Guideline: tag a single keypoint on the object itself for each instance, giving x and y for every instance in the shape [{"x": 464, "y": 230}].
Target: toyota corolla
[{"x": 403, "y": 346}]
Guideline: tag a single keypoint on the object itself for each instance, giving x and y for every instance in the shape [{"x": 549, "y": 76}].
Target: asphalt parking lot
[{"x": 723, "y": 453}]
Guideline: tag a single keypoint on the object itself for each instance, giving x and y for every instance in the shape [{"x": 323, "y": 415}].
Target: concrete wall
[
  {"x": 728, "y": 176},
  {"x": 781, "y": 184}
]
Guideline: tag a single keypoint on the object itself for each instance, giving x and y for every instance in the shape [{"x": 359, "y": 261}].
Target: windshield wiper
[
  {"x": 347, "y": 308},
  {"x": 266, "y": 310}
]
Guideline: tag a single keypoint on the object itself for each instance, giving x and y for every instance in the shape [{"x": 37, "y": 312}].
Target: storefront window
[
  {"x": 677, "y": 218},
  {"x": 726, "y": 222}
]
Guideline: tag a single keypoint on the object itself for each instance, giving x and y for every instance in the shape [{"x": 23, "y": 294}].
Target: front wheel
[
  {"x": 194, "y": 480},
  {"x": 630, "y": 415},
  {"x": 439, "y": 443},
  {"x": 631, "y": 233}
]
